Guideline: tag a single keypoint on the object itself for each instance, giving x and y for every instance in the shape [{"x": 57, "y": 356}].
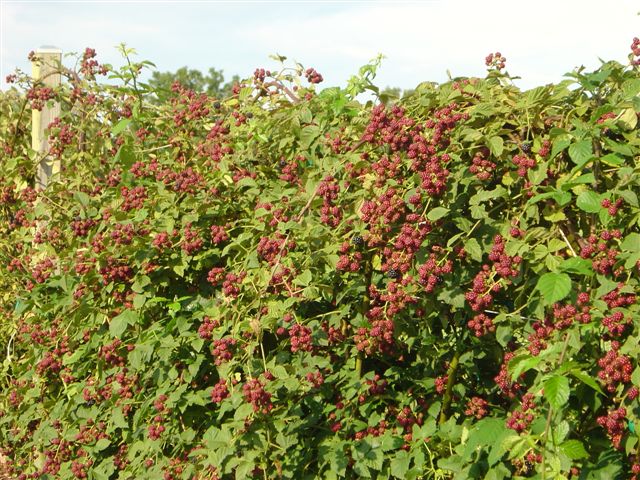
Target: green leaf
[
  {"x": 243, "y": 411},
  {"x": 612, "y": 160},
  {"x": 561, "y": 198},
  {"x": 74, "y": 357},
  {"x": 308, "y": 135},
  {"x": 139, "y": 301},
  {"x": 120, "y": 126},
  {"x": 580, "y": 266},
  {"x": 504, "y": 334},
  {"x": 102, "y": 444},
  {"x": 484, "y": 195},
  {"x": 118, "y": 420},
  {"x": 304, "y": 278},
  {"x": 557, "y": 391},
  {"x": 574, "y": 449},
  {"x": 125, "y": 156},
  {"x": 400, "y": 464},
  {"x": 587, "y": 380},
  {"x": 581, "y": 152},
  {"x": 627, "y": 120},
  {"x": 472, "y": 247},
  {"x": 538, "y": 174},
  {"x": 560, "y": 143},
  {"x": 630, "y": 197},
  {"x": 119, "y": 323},
  {"x": 437, "y": 213},
  {"x": 606, "y": 285},
  {"x": 589, "y": 201},
  {"x": 305, "y": 115},
  {"x": 554, "y": 286},
  {"x": 521, "y": 364},
  {"x": 82, "y": 197},
  {"x": 631, "y": 243},
  {"x": 484, "y": 434},
  {"x": 496, "y": 146}
]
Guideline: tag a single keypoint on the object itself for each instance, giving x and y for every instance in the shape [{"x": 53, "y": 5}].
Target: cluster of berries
[
  {"x": 477, "y": 407},
  {"x": 255, "y": 394},
  {"x": 603, "y": 256},
  {"x": 614, "y": 423},
  {"x": 495, "y": 60},
  {"x": 615, "y": 369},
  {"x": 520, "y": 419},
  {"x": 312, "y": 76},
  {"x": 133, "y": 198},
  {"x": 481, "y": 166},
  {"x": 38, "y": 96}
]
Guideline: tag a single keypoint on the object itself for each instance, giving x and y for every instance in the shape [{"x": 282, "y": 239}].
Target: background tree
[{"x": 212, "y": 83}]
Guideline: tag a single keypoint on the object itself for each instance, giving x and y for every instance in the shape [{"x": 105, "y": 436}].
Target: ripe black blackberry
[
  {"x": 358, "y": 241},
  {"x": 217, "y": 105},
  {"x": 610, "y": 134},
  {"x": 393, "y": 273},
  {"x": 525, "y": 147}
]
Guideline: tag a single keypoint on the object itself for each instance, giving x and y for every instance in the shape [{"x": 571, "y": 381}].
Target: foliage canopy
[{"x": 288, "y": 283}]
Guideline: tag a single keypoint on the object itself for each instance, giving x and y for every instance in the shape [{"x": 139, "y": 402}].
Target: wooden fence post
[{"x": 46, "y": 69}]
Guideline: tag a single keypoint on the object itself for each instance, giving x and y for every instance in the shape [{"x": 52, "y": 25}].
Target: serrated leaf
[
  {"x": 538, "y": 174},
  {"x": 119, "y": 323},
  {"x": 243, "y": 411},
  {"x": 581, "y": 152},
  {"x": 74, "y": 357},
  {"x": 472, "y": 247},
  {"x": 574, "y": 449},
  {"x": 612, "y": 160},
  {"x": 589, "y": 201},
  {"x": 627, "y": 120},
  {"x": 484, "y": 434},
  {"x": 560, "y": 143},
  {"x": 521, "y": 364},
  {"x": 557, "y": 391},
  {"x": 562, "y": 198},
  {"x": 118, "y": 420},
  {"x": 139, "y": 301},
  {"x": 120, "y": 126},
  {"x": 437, "y": 213},
  {"x": 304, "y": 278},
  {"x": 102, "y": 444},
  {"x": 82, "y": 197},
  {"x": 400, "y": 464},
  {"x": 554, "y": 286},
  {"x": 631, "y": 243},
  {"x": 587, "y": 380},
  {"x": 578, "y": 265},
  {"x": 630, "y": 197},
  {"x": 606, "y": 285},
  {"x": 496, "y": 146},
  {"x": 504, "y": 334},
  {"x": 308, "y": 134},
  {"x": 484, "y": 195}
]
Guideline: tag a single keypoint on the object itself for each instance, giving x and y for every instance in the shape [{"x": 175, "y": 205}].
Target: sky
[{"x": 421, "y": 40}]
